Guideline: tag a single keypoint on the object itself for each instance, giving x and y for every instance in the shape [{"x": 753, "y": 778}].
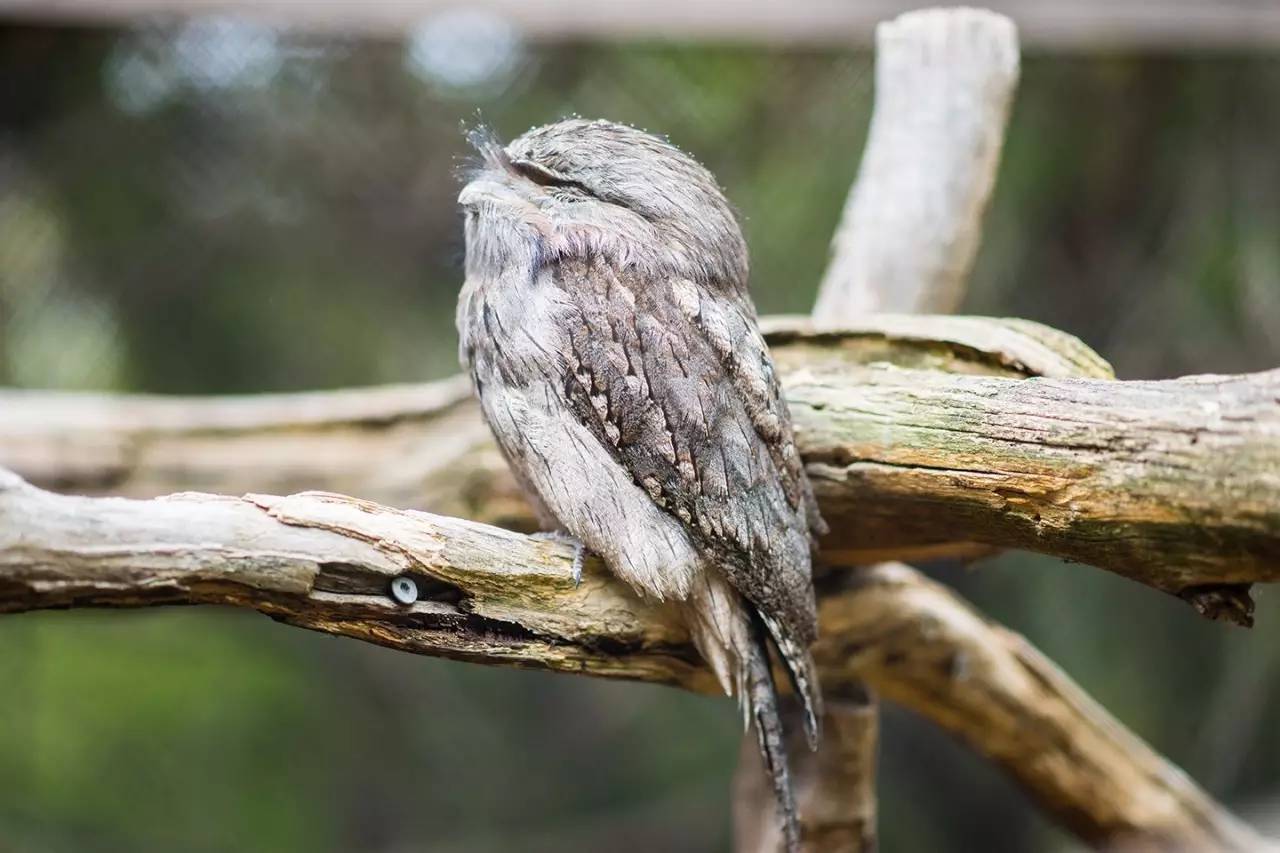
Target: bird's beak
[
  {"x": 471, "y": 194},
  {"x": 481, "y": 189},
  {"x": 489, "y": 189}
]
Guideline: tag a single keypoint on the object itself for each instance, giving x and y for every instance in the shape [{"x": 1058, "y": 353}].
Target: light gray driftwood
[
  {"x": 324, "y": 562},
  {"x": 407, "y": 445},
  {"x": 908, "y": 237},
  {"x": 917, "y": 432},
  {"x": 944, "y": 82},
  {"x": 909, "y": 233}
]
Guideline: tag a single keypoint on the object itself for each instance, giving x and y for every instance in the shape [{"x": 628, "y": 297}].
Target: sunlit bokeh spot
[
  {"x": 464, "y": 49},
  {"x": 221, "y": 53}
]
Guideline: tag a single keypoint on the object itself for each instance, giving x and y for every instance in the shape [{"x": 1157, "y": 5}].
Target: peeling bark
[
  {"x": 324, "y": 562},
  {"x": 922, "y": 435},
  {"x": 906, "y": 242}
]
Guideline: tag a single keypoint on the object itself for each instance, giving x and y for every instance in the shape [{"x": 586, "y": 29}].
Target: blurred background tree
[{"x": 217, "y": 206}]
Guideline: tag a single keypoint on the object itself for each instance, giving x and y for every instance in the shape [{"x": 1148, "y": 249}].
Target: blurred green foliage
[{"x": 221, "y": 208}]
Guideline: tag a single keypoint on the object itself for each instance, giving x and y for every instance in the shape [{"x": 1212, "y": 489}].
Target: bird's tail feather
[
  {"x": 804, "y": 678},
  {"x": 734, "y": 639},
  {"x": 762, "y": 697}
]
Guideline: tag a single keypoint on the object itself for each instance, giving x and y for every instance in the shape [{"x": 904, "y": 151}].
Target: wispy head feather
[{"x": 489, "y": 151}]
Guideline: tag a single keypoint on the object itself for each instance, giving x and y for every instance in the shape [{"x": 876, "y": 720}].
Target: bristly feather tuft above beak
[{"x": 492, "y": 154}]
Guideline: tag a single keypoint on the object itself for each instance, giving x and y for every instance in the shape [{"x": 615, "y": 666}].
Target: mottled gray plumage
[{"x": 614, "y": 347}]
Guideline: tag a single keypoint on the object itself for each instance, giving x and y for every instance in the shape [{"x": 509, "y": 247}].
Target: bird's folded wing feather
[{"x": 674, "y": 378}]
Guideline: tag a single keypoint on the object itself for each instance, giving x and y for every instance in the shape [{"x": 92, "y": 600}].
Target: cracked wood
[
  {"x": 922, "y": 435},
  {"x": 324, "y": 561}
]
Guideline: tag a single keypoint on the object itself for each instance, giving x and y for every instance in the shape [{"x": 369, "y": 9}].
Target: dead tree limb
[
  {"x": 906, "y": 243},
  {"x": 944, "y": 82},
  {"x": 1175, "y": 484},
  {"x": 487, "y": 595},
  {"x": 915, "y": 442},
  {"x": 411, "y": 445},
  {"x": 921, "y": 647},
  {"x": 909, "y": 235}
]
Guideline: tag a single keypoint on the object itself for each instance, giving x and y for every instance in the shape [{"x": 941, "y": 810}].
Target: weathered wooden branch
[
  {"x": 944, "y": 82},
  {"x": 915, "y": 431},
  {"x": 487, "y": 595},
  {"x": 414, "y": 445},
  {"x": 1175, "y": 484},
  {"x": 906, "y": 244}
]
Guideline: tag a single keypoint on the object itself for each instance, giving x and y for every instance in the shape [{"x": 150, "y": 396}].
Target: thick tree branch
[
  {"x": 410, "y": 445},
  {"x": 915, "y": 431},
  {"x": 487, "y": 595},
  {"x": 1175, "y": 484},
  {"x": 908, "y": 238},
  {"x": 944, "y": 82}
]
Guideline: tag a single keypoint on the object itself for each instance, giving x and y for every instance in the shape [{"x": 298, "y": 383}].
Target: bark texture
[
  {"x": 324, "y": 562},
  {"x": 906, "y": 243},
  {"x": 413, "y": 445},
  {"x": 922, "y": 436},
  {"x": 944, "y": 81}
]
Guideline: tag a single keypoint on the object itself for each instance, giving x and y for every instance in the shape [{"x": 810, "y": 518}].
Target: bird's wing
[{"x": 675, "y": 380}]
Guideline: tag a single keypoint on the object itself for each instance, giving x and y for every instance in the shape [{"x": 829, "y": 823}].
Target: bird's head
[{"x": 579, "y": 188}]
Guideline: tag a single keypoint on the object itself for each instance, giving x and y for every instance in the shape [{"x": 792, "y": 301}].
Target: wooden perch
[
  {"x": 944, "y": 82},
  {"x": 909, "y": 235},
  {"x": 917, "y": 432},
  {"x": 487, "y": 595}
]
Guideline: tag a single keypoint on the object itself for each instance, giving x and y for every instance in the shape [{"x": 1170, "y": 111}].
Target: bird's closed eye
[{"x": 545, "y": 177}]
